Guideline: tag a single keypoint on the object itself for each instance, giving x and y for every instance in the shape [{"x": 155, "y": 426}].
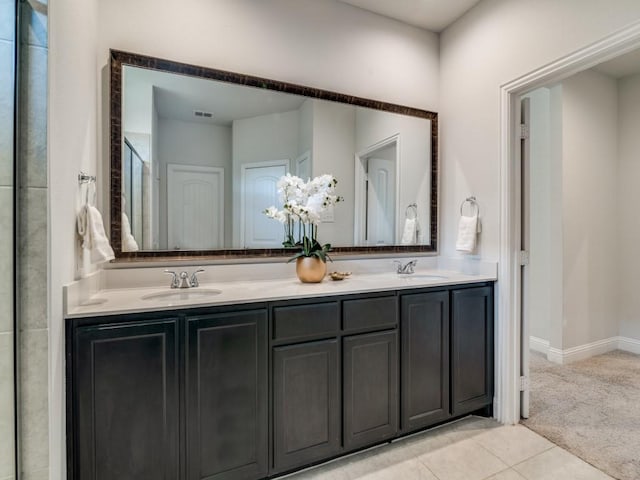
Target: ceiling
[
  {"x": 433, "y": 15},
  {"x": 178, "y": 96},
  {"x": 622, "y": 66}
]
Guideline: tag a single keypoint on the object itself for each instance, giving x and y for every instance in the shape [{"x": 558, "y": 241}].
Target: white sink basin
[{"x": 179, "y": 295}]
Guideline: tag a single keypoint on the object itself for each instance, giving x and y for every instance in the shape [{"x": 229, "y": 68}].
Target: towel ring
[
  {"x": 411, "y": 208},
  {"x": 85, "y": 178},
  {"x": 471, "y": 201}
]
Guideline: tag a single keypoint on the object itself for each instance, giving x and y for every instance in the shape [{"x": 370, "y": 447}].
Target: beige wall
[
  {"x": 629, "y": 206},
  {"x": 496, "y": 42},
  {"x": 73, "y": 88},
  {"x": 574, "y": 275},
  {"x": 589, "y": 208}
]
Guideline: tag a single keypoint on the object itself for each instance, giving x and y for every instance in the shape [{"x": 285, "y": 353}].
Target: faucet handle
[
  {"x": 399, "y": 263},
  {"x": 194, "y": 277},
  {"x": 174, "y": 278}
]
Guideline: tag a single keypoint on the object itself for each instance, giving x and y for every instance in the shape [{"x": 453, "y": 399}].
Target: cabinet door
[
  {"x": 425, "y": 359},
  {"x": 125, "y": 391},
  {"x": 370, "y": 388},
  {"x": 306, "y": 395},
  {"x": 226, "y": 396},
  {"x": 472, "y": 349}
]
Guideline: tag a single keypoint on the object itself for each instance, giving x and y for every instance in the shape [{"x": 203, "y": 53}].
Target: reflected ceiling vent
[{"x": 202, "y": 114}]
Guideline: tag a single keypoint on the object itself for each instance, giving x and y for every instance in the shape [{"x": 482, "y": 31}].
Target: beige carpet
[{"x": 591, "y": 408}]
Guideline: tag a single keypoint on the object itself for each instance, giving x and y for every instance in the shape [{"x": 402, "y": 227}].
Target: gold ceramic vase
[{"x": 310, "y": 269}]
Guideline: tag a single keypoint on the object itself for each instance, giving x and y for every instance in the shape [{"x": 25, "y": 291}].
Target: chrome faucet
[
  {"x": 183, "y": 280},
  {"x": 407, "y": 268},
  {"x": 194, "y": 278}
]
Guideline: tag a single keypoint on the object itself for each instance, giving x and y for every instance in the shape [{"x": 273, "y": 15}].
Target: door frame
[
  {"x": 360, "y": 193},
  {"x": 525, "y": 245},
  {"x": 171, "y": 169},
  {"x": 508, "y": 294},
  {"x": 285, "y": 162}
]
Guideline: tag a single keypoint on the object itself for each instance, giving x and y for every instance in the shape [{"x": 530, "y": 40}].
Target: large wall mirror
[{"x": 196, "y": 154}]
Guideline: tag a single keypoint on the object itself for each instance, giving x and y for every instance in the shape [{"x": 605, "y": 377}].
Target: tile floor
[{"x": 473, "y": 448}]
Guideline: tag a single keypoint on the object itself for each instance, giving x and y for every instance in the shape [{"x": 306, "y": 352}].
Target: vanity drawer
[
  {"x": 373, "y": 313},
  {"x": 306, "y": 321}
]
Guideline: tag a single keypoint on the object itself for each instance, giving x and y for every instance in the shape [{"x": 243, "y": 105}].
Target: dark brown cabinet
[
  {"x": 424, "y": 359},
  {"x": 146, "y": 394},
  {"x": 370, "y": 376},
  {"x": 246, "y": 392},
  {"x": 226, "y": 396},
  {"x": 126, "y": 395},
  {"x": 306, "y": 403},
  {"x": 471, "y": 349}
]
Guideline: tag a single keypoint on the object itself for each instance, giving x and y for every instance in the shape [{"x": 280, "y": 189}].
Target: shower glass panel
[
  {"x": 7, "y": 181},
  {"x": 133, "y": 181}
]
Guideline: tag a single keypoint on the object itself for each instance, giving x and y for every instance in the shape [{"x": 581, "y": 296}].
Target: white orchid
[
  {"x": 303, "y": 204},
  {"x": 273, "y": 212}
]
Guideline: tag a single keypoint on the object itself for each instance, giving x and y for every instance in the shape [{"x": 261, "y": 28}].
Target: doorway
[
  {"x": 377, "y": 170},
  {"x": 575, "y": 175},
  {"x": 509, "y": 328}
]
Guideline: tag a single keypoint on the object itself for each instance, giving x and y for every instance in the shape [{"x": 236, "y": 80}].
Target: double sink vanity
[
  {"x": 252, "y": 374},
  {"x": 253, "y": 379}
]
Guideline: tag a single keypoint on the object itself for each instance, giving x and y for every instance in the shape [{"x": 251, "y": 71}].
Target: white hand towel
[
  {"x": 94, "y": 239},
  {"x": 409, "y": 232},
  {"x": 129, "y": 243},
  {"x": 467, "y": 230}
]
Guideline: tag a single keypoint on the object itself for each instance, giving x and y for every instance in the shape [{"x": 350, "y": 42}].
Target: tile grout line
[
  {"x": 546, "y": 449},
  {"x": 507, "y": 467},
  {"x": 564, "y": 450},
  {"x": 417, "y": 459}
]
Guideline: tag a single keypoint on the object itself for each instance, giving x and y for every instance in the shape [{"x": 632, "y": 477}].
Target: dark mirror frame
[{"x": 120, "y": 59}]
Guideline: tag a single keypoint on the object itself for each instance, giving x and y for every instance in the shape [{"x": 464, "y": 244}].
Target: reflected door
[
  {"x": 260, "y": 191},
  {"x": 195, "y": 207},
  {"x": 381, "y": 201}
]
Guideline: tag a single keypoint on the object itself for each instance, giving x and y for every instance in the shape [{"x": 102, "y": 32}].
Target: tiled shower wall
[
  {"x": 7, "y": 47},
  {"x": 32, "y": 243}
]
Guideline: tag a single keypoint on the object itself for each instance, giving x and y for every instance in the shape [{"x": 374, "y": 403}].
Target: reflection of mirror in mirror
[{"x": 201, "y": 159}]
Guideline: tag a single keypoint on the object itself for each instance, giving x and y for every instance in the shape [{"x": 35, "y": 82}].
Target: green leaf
[{"x": 296, "y": 256}]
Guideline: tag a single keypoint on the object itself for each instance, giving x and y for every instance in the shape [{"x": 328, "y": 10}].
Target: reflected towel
[
  {"x": 467, "y": 230},
  {"x": 409, "y": 233},
  {"x": 129, "y": 243},
  {"x": 94, "y": 239}
]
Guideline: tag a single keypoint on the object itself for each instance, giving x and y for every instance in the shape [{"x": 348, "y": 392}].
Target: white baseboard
[
  {"x": 555, "y": 355},
  {"x": 629, "y": 345},
  {"x": 539, "y": 345},
  {"x": 585, "y": 351}
]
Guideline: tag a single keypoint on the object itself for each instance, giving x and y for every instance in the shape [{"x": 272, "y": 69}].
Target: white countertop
[{"x": 111, "y": 301}]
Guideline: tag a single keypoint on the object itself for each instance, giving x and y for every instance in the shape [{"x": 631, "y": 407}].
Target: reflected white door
[
  {"x": 195, "y": 207},
  {"x": 381, "y": 201},
  {"x": 260, "y": 191}
]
